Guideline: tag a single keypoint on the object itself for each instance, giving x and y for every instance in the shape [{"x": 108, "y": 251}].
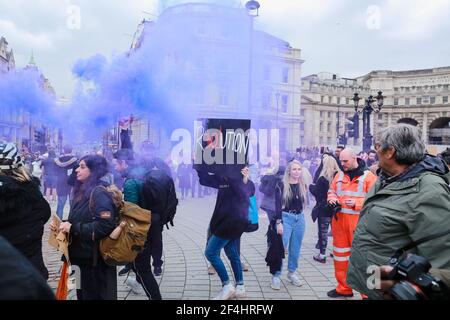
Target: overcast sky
[{"x": 349, "y": 37}]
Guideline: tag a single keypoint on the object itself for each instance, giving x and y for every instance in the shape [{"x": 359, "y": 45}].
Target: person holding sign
[
  {"x": 221, "y": 159},
  {"x": 92, "y": 217},
  {"x": 228, "y": 223}
]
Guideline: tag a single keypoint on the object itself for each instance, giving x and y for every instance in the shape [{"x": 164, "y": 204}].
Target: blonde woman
[
  {"x": 319, "y": 190},
  {"x": 290, "y": 200},
  {"x": 23, "y": 209}
]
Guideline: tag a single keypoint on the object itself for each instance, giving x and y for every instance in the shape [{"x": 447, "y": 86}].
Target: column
[
  {"x": 425, "y": 127},
  {"x": 334, "y": 128},
  {"x": 293, "y": 136},
  {"x": 316, "y": 133},
  {"x": 389, "y": 122}
]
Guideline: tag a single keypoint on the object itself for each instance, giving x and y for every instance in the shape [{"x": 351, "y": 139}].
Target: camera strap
[{"x": 414, "y": 244}]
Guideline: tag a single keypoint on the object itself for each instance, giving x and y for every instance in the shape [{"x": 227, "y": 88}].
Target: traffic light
[
  {"x": 342, "y": 139},
  {"x": 352, "y": 129},
  {"x": 39, "y": 137}
]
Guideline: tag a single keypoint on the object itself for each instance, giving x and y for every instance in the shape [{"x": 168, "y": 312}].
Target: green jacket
[
  {"x": 415, "y": 206},
  {"x": 133, "y": 185}
]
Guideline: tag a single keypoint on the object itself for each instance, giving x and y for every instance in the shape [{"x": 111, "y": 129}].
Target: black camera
[
  {"x": 416, "y": 283},
  {"x": 333, "y": 209}
]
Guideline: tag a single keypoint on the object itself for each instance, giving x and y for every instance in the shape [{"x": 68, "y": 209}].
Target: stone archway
[
  {"x": 439, "y": 133},
  {"x": 409, "y": 121}
]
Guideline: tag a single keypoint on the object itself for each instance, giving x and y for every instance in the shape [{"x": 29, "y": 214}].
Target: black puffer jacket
[
  {"x": 19, "y": 280},
  {"x": 23, "y": 214},
  {"x": 320, "y": 190},
  {"x": 230, "y": 217},
  {"x": 88, "y": 227}
]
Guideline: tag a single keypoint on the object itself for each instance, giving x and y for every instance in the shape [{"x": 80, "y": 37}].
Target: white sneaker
[
  {"x": 240, "y": 292},
  {"x": 226, "y": 293},
  {"x": 294, "y": 279},
  {"x": 134, "y": 285},
  {"x": 276, "y": 283}
]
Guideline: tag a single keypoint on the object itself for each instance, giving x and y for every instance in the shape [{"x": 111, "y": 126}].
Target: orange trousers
[{"x": 342, "y": 230}]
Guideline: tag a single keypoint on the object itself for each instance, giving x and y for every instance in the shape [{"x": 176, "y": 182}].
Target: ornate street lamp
[
  {"x": 253, "y": 8},
  {"x": 367, "y": 110},
  {"x": 356, "y": 99}
]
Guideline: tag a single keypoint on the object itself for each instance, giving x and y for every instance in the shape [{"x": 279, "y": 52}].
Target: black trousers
[
  {"x": 97, "y": 282},
  {"x": 144, "y": 275},
  {"x": 155, "y": 242},
  {"x": 323, "y": 224}
]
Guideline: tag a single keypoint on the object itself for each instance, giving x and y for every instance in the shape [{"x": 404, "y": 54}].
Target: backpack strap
[
  {"x": 414, "y": 244},
  {"x": 91, "y": 198},
  {"x": 115, "y": 194}
]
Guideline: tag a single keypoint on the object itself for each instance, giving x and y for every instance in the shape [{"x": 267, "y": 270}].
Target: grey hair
[{"x": 406, "y": 140}]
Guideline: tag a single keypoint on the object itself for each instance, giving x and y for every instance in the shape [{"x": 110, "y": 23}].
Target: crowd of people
[{"x": 375, "y": 203}]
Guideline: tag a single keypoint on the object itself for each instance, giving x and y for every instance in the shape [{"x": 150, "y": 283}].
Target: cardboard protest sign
[
  {"x": 58, "y": 239},
  {"x": 221, "y": 146}
]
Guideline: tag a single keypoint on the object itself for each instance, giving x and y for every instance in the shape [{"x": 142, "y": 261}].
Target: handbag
[
  {"x": 253, "y": 215},
  {"x": 322, "y": 210}
]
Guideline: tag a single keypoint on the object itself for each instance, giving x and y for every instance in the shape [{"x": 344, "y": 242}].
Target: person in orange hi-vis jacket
[{"x": 348, "y": 189}]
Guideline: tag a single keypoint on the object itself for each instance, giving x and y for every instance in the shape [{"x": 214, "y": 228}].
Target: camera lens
[{"x": 407, "y": 291}]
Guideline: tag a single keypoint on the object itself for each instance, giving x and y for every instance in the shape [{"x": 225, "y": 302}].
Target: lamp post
[
  {"x": 253, "y": 12},
  {"x": 369, "y": 107}
]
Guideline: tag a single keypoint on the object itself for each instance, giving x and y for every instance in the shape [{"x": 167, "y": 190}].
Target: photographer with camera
[
  {"x": 407, "y": 210},
  {"x": 346, "y": 196},
  {"x": 412, "y": 279}
]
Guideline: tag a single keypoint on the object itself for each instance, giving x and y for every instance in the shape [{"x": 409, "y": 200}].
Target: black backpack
[{"x": 159, "y": 196}]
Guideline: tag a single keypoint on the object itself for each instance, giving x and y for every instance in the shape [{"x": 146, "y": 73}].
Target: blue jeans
[
  {"x": 212, "y": 253},
  {"x": 61, "y": 203},
  {"x": 293, "y": 232}
]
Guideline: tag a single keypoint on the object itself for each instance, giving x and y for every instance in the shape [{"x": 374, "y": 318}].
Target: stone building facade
[
  {"x": 222, "y": 70},
  {"x": 417, "y": 97},
  {"x": 17, "y": 125}
]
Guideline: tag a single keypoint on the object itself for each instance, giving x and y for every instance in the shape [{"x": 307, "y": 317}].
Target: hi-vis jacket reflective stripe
[{"x": 342, "y": 189}]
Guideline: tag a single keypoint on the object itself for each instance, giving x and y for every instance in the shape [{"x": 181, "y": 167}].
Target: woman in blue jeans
[
  {"x": 228, "y": 222},
  {"x": 290, "y": 198}
]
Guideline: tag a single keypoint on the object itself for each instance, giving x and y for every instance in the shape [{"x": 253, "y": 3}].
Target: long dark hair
[{"x": 99, "y": 168}]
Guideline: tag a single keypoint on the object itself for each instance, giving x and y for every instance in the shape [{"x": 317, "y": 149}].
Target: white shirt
[{"x": 37, "y": 171}]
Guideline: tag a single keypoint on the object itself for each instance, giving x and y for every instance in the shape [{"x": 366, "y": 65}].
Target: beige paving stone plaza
[{"x": 185, "y": 275}]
